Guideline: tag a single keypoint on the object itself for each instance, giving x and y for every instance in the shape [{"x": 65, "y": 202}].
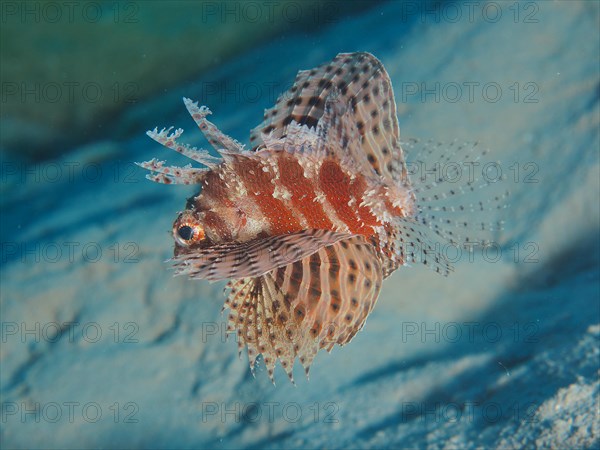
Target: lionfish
[{"x": 308, "y": 223}]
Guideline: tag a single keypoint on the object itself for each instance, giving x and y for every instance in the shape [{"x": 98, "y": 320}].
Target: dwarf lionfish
[{"x": 309, "y": 221}]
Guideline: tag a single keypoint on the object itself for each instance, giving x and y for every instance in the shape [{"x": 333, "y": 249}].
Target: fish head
[{"x": 211, "y": 219}]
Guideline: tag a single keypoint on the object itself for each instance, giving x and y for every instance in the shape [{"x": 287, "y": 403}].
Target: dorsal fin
[{"x": 364, "y": 88}]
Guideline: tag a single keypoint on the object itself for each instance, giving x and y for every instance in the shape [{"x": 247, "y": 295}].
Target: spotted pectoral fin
[
  {"x": 252, "y": 258},
  {"x": 359, "y": 82},
  {"x": 316, "y": 302}
]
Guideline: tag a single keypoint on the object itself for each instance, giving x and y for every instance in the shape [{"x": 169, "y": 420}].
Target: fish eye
[
  {"x": 185, "y": 232},
  {"x": 188, "y": 231}
]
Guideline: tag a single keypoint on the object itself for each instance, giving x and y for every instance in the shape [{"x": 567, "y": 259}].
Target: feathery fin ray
[
  {"x": 252, "y": 258},
  {"x": 315, "y": 303}
]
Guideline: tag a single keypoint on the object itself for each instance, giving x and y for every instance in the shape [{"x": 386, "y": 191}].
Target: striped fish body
[
  {"x": 309, "y": 221},
  {"x": 277, "y": 192}
]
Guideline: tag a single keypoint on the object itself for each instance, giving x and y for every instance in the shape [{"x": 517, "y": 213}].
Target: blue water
[{"x": 102, "y": 347}]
